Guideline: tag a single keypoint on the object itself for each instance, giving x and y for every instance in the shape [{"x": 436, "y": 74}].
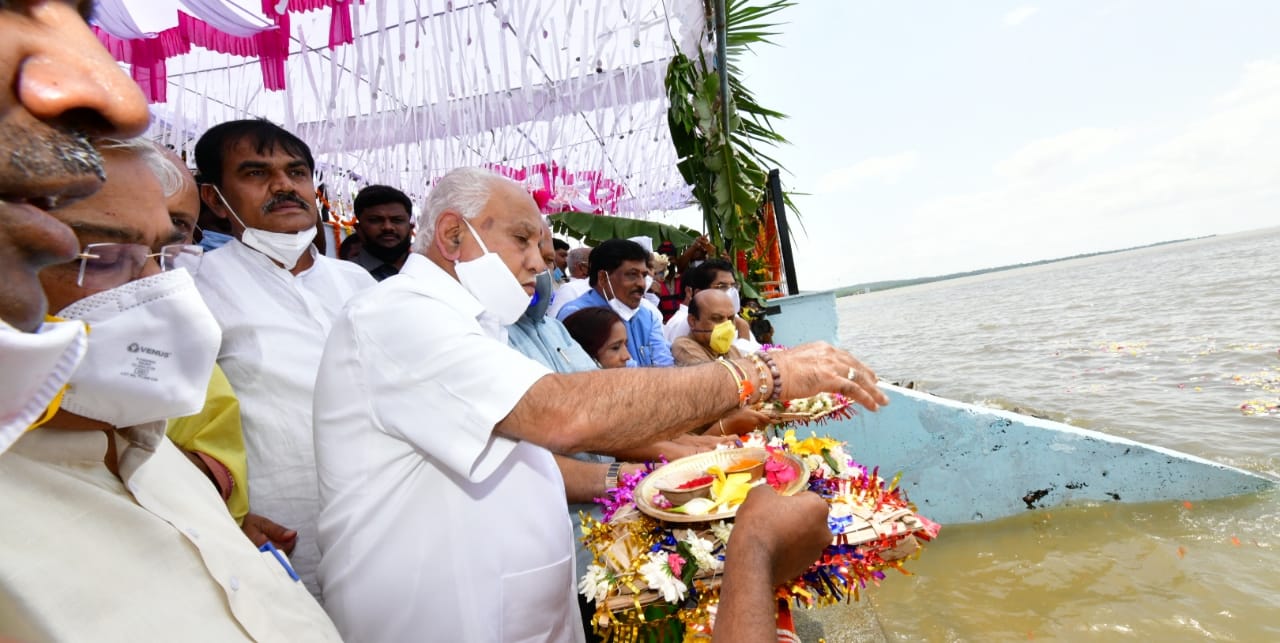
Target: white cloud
[
  {"x": 1211, "y": 173},
  {"x": 1019, "y": 15},
  {"x": 882, "y": 169},
  {"x": 1069, "y": 149}
]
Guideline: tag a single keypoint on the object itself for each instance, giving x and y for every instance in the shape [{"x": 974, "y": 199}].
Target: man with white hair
[
  {"x": 577, "y": 269},
  {"x": 443, "y": 510}
]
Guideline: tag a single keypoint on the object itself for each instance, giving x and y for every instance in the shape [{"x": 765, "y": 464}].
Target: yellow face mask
[{"x": 722, "y": 337}]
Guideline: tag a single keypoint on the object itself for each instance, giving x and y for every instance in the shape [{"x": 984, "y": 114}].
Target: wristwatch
[{"x": 611, "y": 476}]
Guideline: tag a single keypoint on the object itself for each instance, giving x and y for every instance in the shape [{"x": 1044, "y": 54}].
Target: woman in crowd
[{"x": 601, "y": 334}]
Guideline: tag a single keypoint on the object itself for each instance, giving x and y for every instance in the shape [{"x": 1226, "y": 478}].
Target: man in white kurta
[
  {"x": 434, "y": 527},
  {"x": 274, "y": 325},
  {"x": 444, "y": 515},
  {"x": 78, "y": 542}
]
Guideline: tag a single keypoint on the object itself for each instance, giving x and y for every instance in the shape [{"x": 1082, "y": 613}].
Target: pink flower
[
  {"x": 778, "y": 472},
  {"x": 675, "y": 562}
]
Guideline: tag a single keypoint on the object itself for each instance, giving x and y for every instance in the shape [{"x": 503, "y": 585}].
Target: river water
[{"x": 1161, "y": 345}]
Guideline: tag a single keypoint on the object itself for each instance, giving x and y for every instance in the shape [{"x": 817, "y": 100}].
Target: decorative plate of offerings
[{"x": 711, "y": 485}]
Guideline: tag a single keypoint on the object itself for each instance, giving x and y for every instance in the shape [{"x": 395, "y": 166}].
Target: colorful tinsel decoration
[{"x": 817, "y": 409}]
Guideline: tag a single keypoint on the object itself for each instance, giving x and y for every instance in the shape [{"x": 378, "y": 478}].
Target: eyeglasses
[{"x": 107, "y": 265}]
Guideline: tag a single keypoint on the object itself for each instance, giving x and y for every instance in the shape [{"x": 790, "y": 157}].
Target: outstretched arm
[{"x": 609, "y": 410}]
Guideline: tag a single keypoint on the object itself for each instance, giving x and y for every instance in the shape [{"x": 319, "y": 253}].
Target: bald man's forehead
[{"x": 714, "y": 303}]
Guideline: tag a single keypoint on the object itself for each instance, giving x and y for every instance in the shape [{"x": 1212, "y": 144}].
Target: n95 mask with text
[
  {"x": 490, "y": 281},
  {"x": 285, "y": 248},
  {"x": 152, "y": 345},
  {"x": 33, "y": 369}
]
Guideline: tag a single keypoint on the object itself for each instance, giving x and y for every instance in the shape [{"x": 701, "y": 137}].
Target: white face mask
[
  {"x": 285, "y": 248},
  {"x": 648, "y": 282},
  {"x": 33, "y": 368},
  {"x": 489, "y": 280},
  {"x": 152, "y": 345},
  {"x": 624, "y": 311},
  {"x": 732, "y": 291}
]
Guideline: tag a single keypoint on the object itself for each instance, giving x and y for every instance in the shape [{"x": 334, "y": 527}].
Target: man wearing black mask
[{"x": 384, "y": 224}]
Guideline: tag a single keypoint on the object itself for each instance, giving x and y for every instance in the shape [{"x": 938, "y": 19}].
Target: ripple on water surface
[{"x": 1167, "y": 345}]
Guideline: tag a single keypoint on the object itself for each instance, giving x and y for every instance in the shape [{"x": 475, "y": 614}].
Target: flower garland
[
  {"x": 819, "y": 408},
  {"x": 653, "y": 580}
]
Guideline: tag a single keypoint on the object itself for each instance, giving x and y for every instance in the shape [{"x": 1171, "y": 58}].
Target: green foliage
[
  {"x": 594, "y": 228},
  {"x": 725, "y": 162}
]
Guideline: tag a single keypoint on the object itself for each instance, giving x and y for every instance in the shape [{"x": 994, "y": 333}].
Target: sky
[{"x": 938, "y": 137}]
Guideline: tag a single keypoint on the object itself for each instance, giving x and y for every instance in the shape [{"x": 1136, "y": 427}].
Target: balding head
[{"x": 708, "y": 308}]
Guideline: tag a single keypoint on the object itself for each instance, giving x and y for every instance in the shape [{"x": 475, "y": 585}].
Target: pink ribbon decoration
[{"x": 216, "y": 28}]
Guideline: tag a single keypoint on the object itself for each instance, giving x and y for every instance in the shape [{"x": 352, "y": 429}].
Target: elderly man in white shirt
[
  {"x": 111, "y": 534},
  {"x": 275, "y": 299},
  {"x": 444, "y": 514}
]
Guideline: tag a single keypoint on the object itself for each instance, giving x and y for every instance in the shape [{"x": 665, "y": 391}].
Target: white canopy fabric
[{"x": 565, "y": 95}]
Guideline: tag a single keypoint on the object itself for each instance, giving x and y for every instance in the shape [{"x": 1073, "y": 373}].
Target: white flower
[
  {"x": 818, "y": 464},
  {"x": 595, "y": 583},
  {"x": 701, "y": 549},
  {"x": 657, "y": 574},
  {"x": 721, "y": 530}
]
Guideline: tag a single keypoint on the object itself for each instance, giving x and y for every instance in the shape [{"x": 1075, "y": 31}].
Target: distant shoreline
[{"x": 877, "y": 286}]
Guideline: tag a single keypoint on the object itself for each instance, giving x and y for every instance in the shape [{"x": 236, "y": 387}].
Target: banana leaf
[{"x": 594, "y": 228}]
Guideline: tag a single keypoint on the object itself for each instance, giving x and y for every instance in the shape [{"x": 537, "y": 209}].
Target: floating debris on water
[
  {"x": 1128, "y": 348},
  {"x": 1260, "y": 407},
  {"x": 1264, "y": 380}
]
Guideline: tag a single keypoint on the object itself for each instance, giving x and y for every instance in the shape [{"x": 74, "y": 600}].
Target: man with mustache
[
  {"x": 384, "y": 222},
  {"x": 59, "y": 85},
  {"x": 619, "y": 277},
  {"x": 275, "y": 298}
]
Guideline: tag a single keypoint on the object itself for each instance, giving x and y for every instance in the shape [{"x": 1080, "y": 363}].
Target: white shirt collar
[
  {"x": 51, "y": 444},
  {"x": 434, "y": 281}
]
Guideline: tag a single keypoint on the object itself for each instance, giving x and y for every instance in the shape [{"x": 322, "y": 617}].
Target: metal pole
[
  {"x": 784, "y": 232},
  {"x": 722, "y": 68}
]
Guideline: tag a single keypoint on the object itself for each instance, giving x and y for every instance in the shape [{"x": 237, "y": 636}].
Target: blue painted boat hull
[{"x": 962, "y": 463}]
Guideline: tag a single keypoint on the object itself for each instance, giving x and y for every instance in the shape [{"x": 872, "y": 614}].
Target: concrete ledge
[{"x": 807, "y": 317}]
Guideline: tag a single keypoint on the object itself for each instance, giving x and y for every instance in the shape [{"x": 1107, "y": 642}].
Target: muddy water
[{"x": 1163, "y": 345}]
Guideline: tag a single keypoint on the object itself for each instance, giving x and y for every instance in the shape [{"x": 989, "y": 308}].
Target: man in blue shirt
[{"x": 619, "y": 278}]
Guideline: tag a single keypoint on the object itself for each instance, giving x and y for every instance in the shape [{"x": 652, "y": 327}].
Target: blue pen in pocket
[{"x": 284, "y": 562}]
